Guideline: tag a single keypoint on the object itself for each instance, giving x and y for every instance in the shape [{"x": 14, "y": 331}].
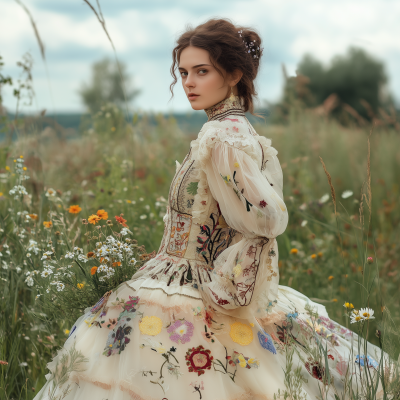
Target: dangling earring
[{"x": 232, "y": 96}]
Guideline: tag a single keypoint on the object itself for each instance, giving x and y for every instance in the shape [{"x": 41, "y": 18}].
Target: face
[{"x": 203, "y": 84}]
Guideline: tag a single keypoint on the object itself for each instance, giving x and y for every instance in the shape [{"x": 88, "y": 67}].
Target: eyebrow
[{"x": 196, "y": 66}]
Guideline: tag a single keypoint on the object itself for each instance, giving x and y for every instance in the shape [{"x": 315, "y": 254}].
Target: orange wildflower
[
  {"x": 294, "y": 251},
  {"x": 331, "y": 277},
  {"x": 47, "y": 224},
  {"x": 121, "y": 221},
  {"x": 101, "y": 259},
  {"x": 116, "y": 264},
  {"x": 74, "y": 209},
  {"x": 313, "y": 256},
  {"x": 93, "y": 219},
  {"x": 33, "y": 216},
  {"x": 102, "y": 214},
  {"x": 90, "y": 254},
  {"x": 93, "y": 270}
]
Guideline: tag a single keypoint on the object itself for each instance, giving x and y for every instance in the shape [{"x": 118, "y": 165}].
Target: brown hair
[{"x": 227, "y": 51}]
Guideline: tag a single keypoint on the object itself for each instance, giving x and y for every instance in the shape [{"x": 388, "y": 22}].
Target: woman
[{"x": 205, "y": 318}]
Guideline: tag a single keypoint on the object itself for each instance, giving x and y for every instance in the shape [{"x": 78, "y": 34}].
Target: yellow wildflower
[
  {"x": 102, "y": 214},
  {"x": 313, "y": 256},
  {"x": 66, "y": 331},
  {"x": 7, "y": 168},
  {"x": 320, "y": 254},
  {"x": 331, "y": 277},
  {"x": 47, "y": 224},
  {"x": 80, "y": 285},
  {"x": 93, "y": 219},
  {"x": 74, "y": 209},
  {"x": 294, "y": 251}
]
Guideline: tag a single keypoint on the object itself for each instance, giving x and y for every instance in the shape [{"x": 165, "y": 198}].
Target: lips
[{"x": 192, "y": 96}]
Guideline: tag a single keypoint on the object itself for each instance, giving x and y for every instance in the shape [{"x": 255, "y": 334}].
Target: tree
[
  {"x": 106, "y": 86},
  {"x": 357, "y": 79}
]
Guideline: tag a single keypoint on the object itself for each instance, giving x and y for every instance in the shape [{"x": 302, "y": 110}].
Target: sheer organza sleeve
[{"x": 245, "y": 274}]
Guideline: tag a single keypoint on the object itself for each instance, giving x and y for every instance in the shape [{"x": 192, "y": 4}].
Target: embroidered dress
[{"x": 206, "y": 318}]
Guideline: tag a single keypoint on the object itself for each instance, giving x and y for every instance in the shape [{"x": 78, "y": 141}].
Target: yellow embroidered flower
[
  {"x": 236, "y": 165},
  {"x": 241, "y": 333},
  {"x": 150, "y": 325},
  {"x": 242, "y": 361},
  {"x": 237, "y": 270}
]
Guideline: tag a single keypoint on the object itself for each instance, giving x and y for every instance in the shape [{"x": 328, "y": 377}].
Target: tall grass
[{"x": 127, "y": 168}]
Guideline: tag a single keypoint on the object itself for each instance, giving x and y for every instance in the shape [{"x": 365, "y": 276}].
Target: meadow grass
[{"x": 126, "y": 168}]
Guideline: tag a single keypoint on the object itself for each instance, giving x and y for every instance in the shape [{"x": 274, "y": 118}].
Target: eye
[
  {"x": 202, "y": 70},
  {"x": 183, "y": 72}
]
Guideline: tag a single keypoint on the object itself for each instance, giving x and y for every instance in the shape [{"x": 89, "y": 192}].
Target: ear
[{"x": 235, "y": 77}]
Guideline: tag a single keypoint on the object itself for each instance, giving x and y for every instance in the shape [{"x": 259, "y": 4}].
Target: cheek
[{"x": 212, "y": 82}]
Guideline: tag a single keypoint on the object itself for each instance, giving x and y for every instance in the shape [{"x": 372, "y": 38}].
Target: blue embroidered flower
[
  {"x": 370, "y": 361},
  {"x": 266, "y": 342},
  {"x": 292, "y": 315}
]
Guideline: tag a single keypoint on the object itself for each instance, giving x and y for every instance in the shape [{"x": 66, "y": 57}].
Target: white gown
[{"x": 206, "y": 318}]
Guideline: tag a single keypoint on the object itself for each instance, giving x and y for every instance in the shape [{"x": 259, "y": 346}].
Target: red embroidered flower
[
  {"x": 198, "y": 359},
  {"x": 121, "y": 221},
  {"x": 236, "y": 129},
  {"x": 204, "y": 202},
  {"x": 263, "y": 203},
  {"x": 316, "y": 370}
]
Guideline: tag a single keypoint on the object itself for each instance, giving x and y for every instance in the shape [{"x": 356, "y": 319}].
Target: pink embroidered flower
[
  {"x": 263, "y": 203},
  {"x": 131, "y": 303},
  {"x": 181, "y": 331},
  {"x": 235, "y": 129}
]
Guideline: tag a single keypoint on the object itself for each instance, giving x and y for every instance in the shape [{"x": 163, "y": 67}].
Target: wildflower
[
  {"x": 331, "y": 277},
  {"x": 3, "y": 362},
  {"x": 132, "y": 261},
  {"x": 70, "y": 255},
  {"x": 47, "y": 224},
  {"x": 116, "y": 264},
  {"x": 109, "y": 222},
  {"x": 370, "y": 260},
  {"x": 349, "y": 306},
  {"x": 93, "y": 219},
  {"x": 90, "y": 254},
  {"x": 121, "y": 220},
  {"x": 66, "y": 331},
  {"x": 367, "y": 313},
  {"x": 74, "y": 209},
  {"x": 23, "y": 364},
  {"x": 346, "y": 194},
  {"x": 303, "y": 223},
  {"x": 7, "y": 168},
  {"x": 50, "y": 193},
  {"x": 80, "y": 285},
  {"x": 294, "y": 251},
  {"x": 144, "y": 216},
  {"x": 313, "y": 256},
  {"x": 47, "y": 255},
  {"x": 334, "y": 300},
  {"x": 33, "y": 216},
  {"x": 93, "y": 270},
  {"x": 355, "y": 317},
  {"x": 125, "y": 231},
  {"x": 102, "y": 214},
  {"x": 60, "y": 287},
  {"x": 324, "y": 199},
  {"x": 319, "y": 254}
]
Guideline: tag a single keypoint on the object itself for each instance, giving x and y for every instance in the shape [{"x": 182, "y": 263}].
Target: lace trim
[{"x": 170, "y": 294}]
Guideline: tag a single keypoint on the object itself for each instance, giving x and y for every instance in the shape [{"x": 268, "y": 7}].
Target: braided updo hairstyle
[{"x": 227, "y": 51}]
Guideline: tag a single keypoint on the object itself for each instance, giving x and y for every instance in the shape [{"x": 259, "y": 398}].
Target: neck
[{"x": 228, "y": 106}]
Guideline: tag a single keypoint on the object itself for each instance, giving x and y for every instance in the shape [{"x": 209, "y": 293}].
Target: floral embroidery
[
  {"x": 208, "y": 335},
  {"x": 371, "y": 363},
  {"x": 192, "y": 188},
  {"x": 241, "y": 333},
  {"x": 263, "y": 203},
  {"x": 266, "y": 342},
  {"x": 198, "y": 359},
  {"x": 237, "y": 359},
  {"x": 236, "y": 165},
  {"x": 237, "y": 270},
  {"x": 179, "y": 236},
  {"x": 181, "y": 331},
  {"x": 315, "y": 369},
  {"x": 197, "y": 386},
  {"x": 150, "y": 325},
  {"x": 172, "y": 368},
  {"x": 220, "y": 301},
  {"x": 117, "y": 339},
  {"x": 242, "y": 361},
  {"x": 236, "y": 129},
  {"x": 226, "y": 178}
]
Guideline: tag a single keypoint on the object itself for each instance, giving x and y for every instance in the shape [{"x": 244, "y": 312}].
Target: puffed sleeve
[{"x": 247, "y": 272}]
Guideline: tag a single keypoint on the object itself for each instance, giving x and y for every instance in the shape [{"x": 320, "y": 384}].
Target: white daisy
[
  {"x": 367, "y": 313},
  {"x": 324, "y": 199},
  {"x": 356, "y": 317}
]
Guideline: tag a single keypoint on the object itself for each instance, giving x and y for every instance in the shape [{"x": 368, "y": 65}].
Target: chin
[{"x": 197, "y": 106}]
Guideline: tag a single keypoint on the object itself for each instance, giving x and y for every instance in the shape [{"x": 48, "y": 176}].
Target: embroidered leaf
[{"x": 192, "y": 188}]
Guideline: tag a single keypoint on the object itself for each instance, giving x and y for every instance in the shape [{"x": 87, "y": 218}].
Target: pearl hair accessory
[{"x": 251, "y": 47}]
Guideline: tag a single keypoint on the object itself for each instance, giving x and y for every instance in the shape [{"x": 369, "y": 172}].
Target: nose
[{"x": 189, "y": 82}]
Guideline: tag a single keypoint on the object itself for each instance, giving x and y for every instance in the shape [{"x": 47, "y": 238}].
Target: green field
[{"x": 126, "y": 168}]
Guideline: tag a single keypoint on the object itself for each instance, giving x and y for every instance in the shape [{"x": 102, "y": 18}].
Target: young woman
[{"x": 205, "y": 318}]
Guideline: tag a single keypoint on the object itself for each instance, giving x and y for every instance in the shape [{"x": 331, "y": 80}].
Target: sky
[{"x": 144, "y": 34}]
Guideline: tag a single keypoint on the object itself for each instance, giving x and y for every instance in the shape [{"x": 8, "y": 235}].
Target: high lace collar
[{"x": 224, "y": 108}]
